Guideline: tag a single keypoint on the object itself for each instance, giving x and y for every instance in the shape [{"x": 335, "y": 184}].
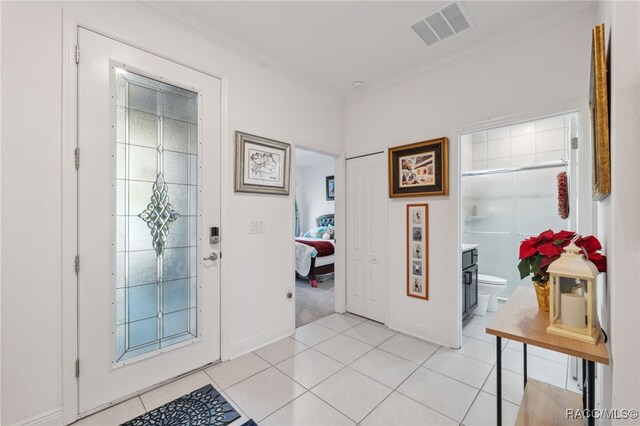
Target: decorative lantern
[{"x": 573, "y": 296}]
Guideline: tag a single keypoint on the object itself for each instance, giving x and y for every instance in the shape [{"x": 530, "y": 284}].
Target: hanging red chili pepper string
[{"x": 563, "y": 195}]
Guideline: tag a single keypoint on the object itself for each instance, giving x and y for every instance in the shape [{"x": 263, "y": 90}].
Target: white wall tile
[
  {"x": 523, "y": 129},
  {"x": 467, "y": 150},
  {"x": 525, "y": 144},
  {"x": 543, "y": 157},
  {"x": 550, "y": 123},
  {"x": 498, "y": 163},
  {"x": 479, "y": 165},
  {"x": 467, "y": 165},
  {"x": 479, "y": 136},
  {"x": 498, "y": 148},
  {"x": 552, "y": 140},
  {"x": 521, "y": 160},
  {"x": 499, "y": 133},
  {"x": 479, "y": 151}
]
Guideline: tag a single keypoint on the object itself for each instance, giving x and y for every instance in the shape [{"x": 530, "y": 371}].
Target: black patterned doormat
[{"x": 202, "y": 407}]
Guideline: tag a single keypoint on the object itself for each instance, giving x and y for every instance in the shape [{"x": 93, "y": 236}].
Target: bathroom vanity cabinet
[{"x": 469, "y": 283}]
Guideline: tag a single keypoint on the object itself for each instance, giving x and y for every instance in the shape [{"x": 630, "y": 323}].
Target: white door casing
[
  {"x": 103, "y": 378},
  {"x": 366, "y": 206}
]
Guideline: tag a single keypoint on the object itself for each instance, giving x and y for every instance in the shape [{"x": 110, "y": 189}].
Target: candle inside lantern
[{"x": 573, "y": 310}]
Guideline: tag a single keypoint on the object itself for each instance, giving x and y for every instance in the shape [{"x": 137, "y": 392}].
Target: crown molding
[
  {"x": 197, "y": 26},
  {"x": 575, "y": 10},
  {"x": 202, "y": 29}
]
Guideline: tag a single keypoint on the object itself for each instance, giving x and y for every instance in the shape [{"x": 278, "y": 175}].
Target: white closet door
[{"x": 366, "y": 236}]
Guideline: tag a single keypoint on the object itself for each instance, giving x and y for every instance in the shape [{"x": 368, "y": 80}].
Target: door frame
[
  {"x": 584, "y": 211},
  {"x": 69, "y": 199},
  {"x": 339, "y": 288}
]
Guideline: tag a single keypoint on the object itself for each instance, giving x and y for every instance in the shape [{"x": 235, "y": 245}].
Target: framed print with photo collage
[
  {"x": 419, "y": 169},
  {"x": 418, "y": 251}
]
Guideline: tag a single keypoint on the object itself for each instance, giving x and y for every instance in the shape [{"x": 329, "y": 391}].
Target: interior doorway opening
[
  {"x": 517, "y": 180},
  {"x": 315, "y": 236}
]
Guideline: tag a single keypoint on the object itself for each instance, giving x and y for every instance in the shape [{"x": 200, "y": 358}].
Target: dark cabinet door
[
  {"x": 472, "y": 288},
  {"x": 469, "y": 291},
  {"x": 465, "y": 311}
]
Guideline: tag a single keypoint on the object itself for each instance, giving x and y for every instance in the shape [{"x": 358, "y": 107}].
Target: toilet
[{"x": 488, "y": 284}]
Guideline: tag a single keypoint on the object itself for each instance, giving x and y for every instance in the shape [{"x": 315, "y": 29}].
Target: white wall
[
  {"x": 260, "y": 101},
  {"x": 547, "y": 70},
  {"x": 311, "y": 192},
  {"x": 618, "y": 215}
]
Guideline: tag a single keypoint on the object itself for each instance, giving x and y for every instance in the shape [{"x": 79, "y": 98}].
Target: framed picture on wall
[
  {"x": 330, "y": 187},
  {"x": 419, "y": 169},
  {"x": 418, "y": 251},
  {"x": 599, "y": 112},
  {"x": 262, "y": 165}
]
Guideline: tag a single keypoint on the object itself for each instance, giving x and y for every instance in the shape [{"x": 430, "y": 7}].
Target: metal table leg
[
  {"x": 499, "y": 380},
  {"x": 584, "y": 384},
  {"x": 591, "y": 397},
  {"x": 524, "y": 357}
]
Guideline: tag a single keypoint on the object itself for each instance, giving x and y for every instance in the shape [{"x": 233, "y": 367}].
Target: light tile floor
[{"x": 346, "y": 370}]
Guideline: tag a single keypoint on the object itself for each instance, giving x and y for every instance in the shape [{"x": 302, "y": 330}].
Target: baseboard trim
[
  {"x": 419, "y": 331},
  {"x": 49, "y": 418},
  {"x": 259, "y": 340}
]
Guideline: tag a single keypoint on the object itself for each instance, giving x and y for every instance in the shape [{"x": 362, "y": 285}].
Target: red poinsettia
[{"x": 537, "y": 253}]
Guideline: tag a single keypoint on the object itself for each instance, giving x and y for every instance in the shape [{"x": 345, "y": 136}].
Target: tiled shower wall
[
  {"x": 520, "y": 144},
  {"x": 501, "y": 209}
]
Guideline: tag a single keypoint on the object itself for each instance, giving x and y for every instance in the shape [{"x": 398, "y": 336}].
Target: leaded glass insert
[{"x": 156, "y": 215}]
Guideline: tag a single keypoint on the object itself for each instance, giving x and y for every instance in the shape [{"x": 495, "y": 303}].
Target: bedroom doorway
[{"x": 314, "y": 235}]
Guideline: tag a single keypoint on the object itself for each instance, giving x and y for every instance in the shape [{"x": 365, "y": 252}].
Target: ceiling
[
  {"x": 335, "y": 43},
  {"x": 308, "y": 158}
]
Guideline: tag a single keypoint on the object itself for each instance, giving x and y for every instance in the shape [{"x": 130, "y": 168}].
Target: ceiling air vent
[{"x": 442, "y": 23}]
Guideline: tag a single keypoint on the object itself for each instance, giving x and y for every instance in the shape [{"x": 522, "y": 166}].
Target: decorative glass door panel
[
  {"x": 156, "y": 192},
  {"x": 148, "y": 304}
]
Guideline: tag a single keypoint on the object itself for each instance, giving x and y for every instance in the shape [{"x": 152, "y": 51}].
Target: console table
[{"x": 520, "y": 320}]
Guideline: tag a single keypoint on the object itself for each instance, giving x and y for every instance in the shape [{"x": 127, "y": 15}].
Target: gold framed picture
[
  {"x": 599, "y": 114},
  {"x": 419, "y": 169},
  {"x": 418, "y": 251}
]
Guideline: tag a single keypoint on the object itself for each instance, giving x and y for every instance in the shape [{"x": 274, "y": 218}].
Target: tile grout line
[
  {"x": 141, "y": 402},
  {"x": 470, "y": 405},
  {"x": 283, "y": 360},
  {"x": 418, "y": 366},
  {"x": 281, "y": 407},
  {"x": 347, "y": 366},
  {"x": 240, "y": 381},
  {"x": 407, "y": 396},
  {"x": 344, "y": 366},
  {"x": 304, "y": 387}
]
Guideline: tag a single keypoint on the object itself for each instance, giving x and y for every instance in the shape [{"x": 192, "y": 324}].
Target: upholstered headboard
[{"x": 325, "y": 220}]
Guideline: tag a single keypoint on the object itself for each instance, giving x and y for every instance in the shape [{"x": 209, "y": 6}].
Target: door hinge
[
  {"x": 77, "y": 368},
  {"x": 76, "y": 265},
  {"x": 574, "y": 143},
  {"x": 77, "y": 54},
  {"x": 76, "y": 154}
]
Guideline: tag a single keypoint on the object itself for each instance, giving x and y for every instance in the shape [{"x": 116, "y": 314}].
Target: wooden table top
[{"x": 521, "y": 320}]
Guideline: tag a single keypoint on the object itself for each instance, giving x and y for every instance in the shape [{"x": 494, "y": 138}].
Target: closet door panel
[
  {"x": 366, "y": 236},
  {"x": 355, "y": 240}
]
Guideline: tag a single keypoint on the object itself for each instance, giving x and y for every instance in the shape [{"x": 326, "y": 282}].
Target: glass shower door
[{"x": 502, "y": 209}]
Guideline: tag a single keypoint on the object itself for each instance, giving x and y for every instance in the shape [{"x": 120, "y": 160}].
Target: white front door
[
  {"x": 366, "y": 238},
  {"x": 148, "y": 194}
]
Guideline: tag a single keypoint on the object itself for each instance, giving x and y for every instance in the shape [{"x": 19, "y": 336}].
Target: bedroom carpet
[{"x": 313, "y": 303}]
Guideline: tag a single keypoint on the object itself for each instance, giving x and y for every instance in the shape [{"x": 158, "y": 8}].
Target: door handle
[{"x": 212, "y": 256}]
